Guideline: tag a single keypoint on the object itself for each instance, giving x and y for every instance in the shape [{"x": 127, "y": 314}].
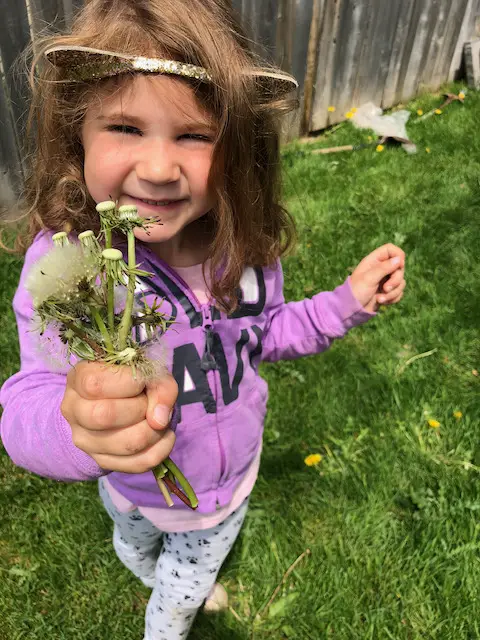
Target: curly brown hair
[{"x": 249, "y": 224}]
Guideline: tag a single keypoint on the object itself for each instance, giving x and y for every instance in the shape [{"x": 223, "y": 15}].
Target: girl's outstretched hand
[{"x": 379, "y": 278}]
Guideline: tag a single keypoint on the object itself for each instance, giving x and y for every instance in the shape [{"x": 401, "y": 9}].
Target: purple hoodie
[{"x": 214, "y": 359}]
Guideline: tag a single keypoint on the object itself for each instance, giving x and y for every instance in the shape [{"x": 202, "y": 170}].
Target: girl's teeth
[{"x": 157, "y": 202}]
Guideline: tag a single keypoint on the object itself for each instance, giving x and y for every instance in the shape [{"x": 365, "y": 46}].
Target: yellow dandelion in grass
[
  {"x": 331, "y": 109},
  {"x": 433, "y": 423},
  {"x": 461, "y": 95},
  {"x": 457, "y": 415},
  {"x": 428, "y": 150},
  {"x": 313, "y": 459},
  {"x": 438, "y": 111},
  {"x": 419, "y": 112},
  {"x": 380, "y": 148},
  {"x": 370, "y": 139},
  {"x": 349, "y": 115}
]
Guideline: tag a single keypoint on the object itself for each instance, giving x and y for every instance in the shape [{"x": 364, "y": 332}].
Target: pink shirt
[{"x": 170, "y": 519}]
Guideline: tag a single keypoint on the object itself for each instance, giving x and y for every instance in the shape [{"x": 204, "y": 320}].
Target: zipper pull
[{"x": 208, "y": 359}]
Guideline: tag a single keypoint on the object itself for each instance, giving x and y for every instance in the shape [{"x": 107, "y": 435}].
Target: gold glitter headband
[{"x": 84, "y": 63}]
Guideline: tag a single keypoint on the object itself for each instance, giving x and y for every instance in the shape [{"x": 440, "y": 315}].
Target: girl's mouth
[{"x": 157, "y": 205}]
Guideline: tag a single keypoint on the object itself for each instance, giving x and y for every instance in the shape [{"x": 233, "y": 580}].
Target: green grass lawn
[{"x": 390, "y": 514}]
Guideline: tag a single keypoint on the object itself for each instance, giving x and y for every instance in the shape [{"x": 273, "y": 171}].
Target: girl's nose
[{"x": 158, "y": 165}]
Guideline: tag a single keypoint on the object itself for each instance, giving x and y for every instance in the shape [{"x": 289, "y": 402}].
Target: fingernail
[
  {"x": 381, "y": 299},
  {"x": 395, "y": 261},
  {"x": 162, "y": 414},
  {"x": 388, "y": 287}
]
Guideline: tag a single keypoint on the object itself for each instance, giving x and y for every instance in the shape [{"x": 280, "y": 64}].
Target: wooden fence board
[
  {"x": 11, "y": 174},
  {"x": 387, "y": 22},
  {"x": 47, "y": 15},
  {"x": 454, "y": 26},
  {"x": 366, "y": 81},
  {"x": 414, "y": 58},
  {"x": 303, "y": 16},
  {"x": 325, "y": 68},
  {"x": 14, "y": 37},
  {"x": 467, "y": 32},
  {"x": 353, "y": 20},
  {"x": 441, "y": 9},
  {"x": 390, "y": 91}
]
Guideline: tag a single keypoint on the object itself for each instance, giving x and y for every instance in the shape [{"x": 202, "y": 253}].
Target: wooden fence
[{"x": 343, "y": 53}]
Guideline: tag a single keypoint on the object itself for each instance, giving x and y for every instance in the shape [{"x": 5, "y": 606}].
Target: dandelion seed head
[{"x": 58, "y": 273}]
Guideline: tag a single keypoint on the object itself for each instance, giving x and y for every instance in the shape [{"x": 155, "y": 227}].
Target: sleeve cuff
[
  {"x": 353, "y": 312},
  {"x": 86, "y": 468}
]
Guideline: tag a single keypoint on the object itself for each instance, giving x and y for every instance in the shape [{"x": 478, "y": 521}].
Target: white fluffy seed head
[{"x": 58, "y": 273}]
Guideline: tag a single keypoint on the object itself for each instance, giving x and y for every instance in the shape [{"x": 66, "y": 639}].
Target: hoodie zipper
[{"x": 208, "y": 362}]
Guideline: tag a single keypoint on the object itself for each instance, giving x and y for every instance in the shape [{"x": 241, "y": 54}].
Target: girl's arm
[
  {"x": 304, "y": 328},
  {"x": 310, "y": 326},
  {"x": 34, "y": 432}
]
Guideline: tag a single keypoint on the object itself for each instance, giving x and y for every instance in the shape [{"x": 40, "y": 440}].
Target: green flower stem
[
  {"x": 110, "y": 290},
  {"x": 110, "y": 286},
  {"x": 160, "y": 471},
  {"x": 126, "y": 322},
  {"x": 163, "y": 488},
  {"x": 83, "y": 336},
  {"x": 102, "y": 328},
  {"x": 182, "y": 481}
]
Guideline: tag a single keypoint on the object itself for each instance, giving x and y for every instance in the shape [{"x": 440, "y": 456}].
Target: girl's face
[{"x": 151, "y": 146}]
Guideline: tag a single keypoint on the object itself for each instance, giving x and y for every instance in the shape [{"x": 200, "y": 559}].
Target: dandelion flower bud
[
  {"x": 105, "y": 207},
  {"x": 127, "y": 212},
  {"x": 114, "y": 265},
  {"x": 89, "y": 241},
  {"x": 128, "y": 215},
  {"x": 108, "y": 217},
  {"x": 60, "y": 239}
]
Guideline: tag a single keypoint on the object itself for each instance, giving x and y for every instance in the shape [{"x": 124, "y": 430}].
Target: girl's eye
[
  {"x": 195, "y": 136},
  {"x": 124, "y": 128}
]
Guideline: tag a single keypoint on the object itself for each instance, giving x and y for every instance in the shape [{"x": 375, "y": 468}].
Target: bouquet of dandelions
[{"x": 75, "y": 287}]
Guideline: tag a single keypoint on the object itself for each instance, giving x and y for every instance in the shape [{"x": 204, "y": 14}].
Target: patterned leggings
[{"x": 180, "y": 567}]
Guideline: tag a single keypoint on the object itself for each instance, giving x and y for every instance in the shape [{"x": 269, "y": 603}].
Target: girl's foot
[{"x": 217, "y": 599}]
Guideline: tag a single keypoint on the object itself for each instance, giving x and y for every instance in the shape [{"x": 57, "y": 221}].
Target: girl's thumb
[{"x": 161, "y": 397}]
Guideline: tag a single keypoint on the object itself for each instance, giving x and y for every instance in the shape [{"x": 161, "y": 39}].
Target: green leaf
[{"x": 279, "y": 607}]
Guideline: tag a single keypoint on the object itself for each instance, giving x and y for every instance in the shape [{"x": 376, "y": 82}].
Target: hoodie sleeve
[
  {"x": 307, "y": 327},
  {"x": 34, "y": 432}
]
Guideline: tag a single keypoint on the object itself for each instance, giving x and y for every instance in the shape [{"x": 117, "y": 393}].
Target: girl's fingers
[
  {"x": 387, "y": 252},
  {"x": 393, "y": 281},
  {"x": 140, "y": 462},
  {"x": 116, "y": 442},
  {"x": 381, "y": 271},
  {"x": 393, "y": 296},
  {"x": 95, "y": 380},
  {"x": 110, "y": 415}
]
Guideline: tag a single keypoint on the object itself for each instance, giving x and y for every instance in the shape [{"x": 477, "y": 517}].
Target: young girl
[{"x": 161, "y": 104}]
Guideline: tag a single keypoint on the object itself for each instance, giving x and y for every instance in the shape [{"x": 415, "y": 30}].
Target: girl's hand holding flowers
[
  {"x": 118, "y": 401},
  {"x": 379, "y": 278},
  {"x": 113, "y": 419}
]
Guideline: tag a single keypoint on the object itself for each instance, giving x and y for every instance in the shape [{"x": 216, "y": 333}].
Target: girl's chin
[{"x": 152, "y": 235}]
